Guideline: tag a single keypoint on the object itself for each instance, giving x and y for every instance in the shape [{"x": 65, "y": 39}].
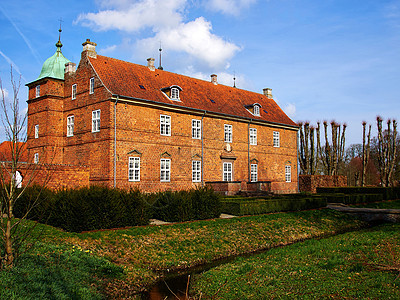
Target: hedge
[
  {"x": 239, "y": 207},
  {"x": 98, "y": 207},
  {"x": 388, "y": 193}
]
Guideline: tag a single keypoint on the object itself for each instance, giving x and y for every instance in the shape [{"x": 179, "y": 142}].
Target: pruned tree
[
  {"x": 332, "y": 153},
  {"x": 14, "y": 232},
  {"x": 365, "y": 151},
  {"x": 386, "y": 150},
  {"x": 308, "y": 152}
]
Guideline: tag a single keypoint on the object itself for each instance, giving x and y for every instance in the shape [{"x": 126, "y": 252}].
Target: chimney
[
  {"x": 150, "y": 64},
  {"x": 70, "y": 68},
  {"x": 90, "y": 48},
  {"x": 214, "y": 79},
  {"x": 268, "y": 92}
]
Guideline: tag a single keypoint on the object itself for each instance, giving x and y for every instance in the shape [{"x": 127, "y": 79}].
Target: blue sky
[{"x": 324, "y": 60}]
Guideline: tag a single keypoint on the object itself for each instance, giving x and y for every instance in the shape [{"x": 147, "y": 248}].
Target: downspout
[
  {"x": 297, "y": 162},
  {"x": 115, "y": 141},
  {"x": 248, "y": 151},
  {"x": 202, "y": 149}
]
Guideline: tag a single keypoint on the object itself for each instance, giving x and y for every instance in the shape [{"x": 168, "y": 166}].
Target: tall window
[
  {"x": 253, "y": 173},
  {"x": 165, "y": 170},
  {"x": 91, "y": 85},
  {"x": 276, "y": 142},
  {"x": 196, "y": 129},
  {"x": 227, "y": 171},
  {"x": 36, "y": 158},
  {"x": 256, "y": 110},
  {"x": 73, "y": 91},
  {"x": 196, "y": 170},
  {"x": 174, "y": 93},
  {"x": 70, "y": 126},
  {"x": 37, "y": 91},
  {"x": 253, "y": 136},
  {"x": 288, "y": 173},
  {"x": 134, "y": 169},
  {"x": 165, "y": 125},
  {"x": 96, "y": 120},
  {"x": 228, "y": 133},
  {"x": 36, "y": 131}
]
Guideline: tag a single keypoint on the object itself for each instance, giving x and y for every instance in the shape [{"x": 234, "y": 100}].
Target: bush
[
  {"x": 277, "y": 204},
  {"x": 198, "y": 204},
  {"x": 98, "y": 207}
]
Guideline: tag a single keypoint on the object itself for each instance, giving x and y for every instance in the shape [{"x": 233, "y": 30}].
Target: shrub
[{"x": 198, "y": 204}]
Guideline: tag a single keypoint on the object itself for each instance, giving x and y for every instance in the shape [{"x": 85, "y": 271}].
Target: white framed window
[
  {"x": 96, "y": 120},
  {"x": 36, "y": 158},
  {"x": 276, "y": 141},
  {"x": 37, "y": 91},
  {"x": 253, "y": 136},
  {"x": 91, "y": 85},
  {"x": 288, "y": 173},
  {"x": 134, "y": 169},
  {"x": 253, "y": 173},
  {"x": 174, "y": 93},
  {"x": 227, "y": 171},
  {"x": 196, "y": 170},
  {"x": 73, "y": 92},
  {"x": 196, "y": 129},
  {"x": 18, "y": 179},
  {"x": 228, "y": 133},
  {"x": 165, "y": 125},
  {"x": 70, "y": 125},
  {"x": 165, "y": 170},
  {"x": 256, "y": 110},
  {"x": 36, "y": 131}
]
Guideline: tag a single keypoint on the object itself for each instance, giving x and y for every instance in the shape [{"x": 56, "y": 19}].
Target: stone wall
[{"x": 309, "y": 183}]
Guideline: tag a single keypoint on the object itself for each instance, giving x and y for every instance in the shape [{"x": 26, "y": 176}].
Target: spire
[
  {"x": 234, "y": 79},
  {"x": 59, "y": 44},
  {"x": 160, "y": 67}
]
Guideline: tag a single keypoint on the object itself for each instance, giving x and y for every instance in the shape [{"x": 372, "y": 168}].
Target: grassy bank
[
  {"x": 354, "y": 265},
  {"x": 392, "y": 204},
  {"x": 137, "y": 257}
]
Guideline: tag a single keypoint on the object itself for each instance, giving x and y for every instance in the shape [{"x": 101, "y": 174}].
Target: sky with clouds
[{"x": 324, "y": 60}]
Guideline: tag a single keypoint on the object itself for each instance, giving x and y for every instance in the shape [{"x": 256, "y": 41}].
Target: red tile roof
[
  {"x": 124, "y": 79},
  {"x": 6, "y": 150}
]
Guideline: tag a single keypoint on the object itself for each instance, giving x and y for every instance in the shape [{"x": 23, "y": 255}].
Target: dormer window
[
  {"x": 172, "y": 92},
  {"x": 254, "y": 109}
]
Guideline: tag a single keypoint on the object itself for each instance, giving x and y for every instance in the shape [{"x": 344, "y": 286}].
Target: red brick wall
[
  {"x": 138, "y": 128},
  {"x": 54, "y": 176},
  {"x": 309, "y": 183}
]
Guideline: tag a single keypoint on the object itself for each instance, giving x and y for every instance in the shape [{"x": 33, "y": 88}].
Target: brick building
[{"x": 140, "y": 126}]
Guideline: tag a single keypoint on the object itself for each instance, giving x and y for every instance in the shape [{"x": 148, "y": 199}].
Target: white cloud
[
  {"x": 4, "y": 93},
  {"x": 166, "y": 20},
  {"x": 229, "y": 7},
  {"x": 290, "y": 110},
  {"x": 133, "y": 17},
  {"x": 107, "y": 50},
  {"x": 195, "y": 38}
]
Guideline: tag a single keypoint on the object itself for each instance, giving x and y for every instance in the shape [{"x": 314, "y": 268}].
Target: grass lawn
[
  {"x": 120, "y": 263},
  {"x": 355, "y": 265}
]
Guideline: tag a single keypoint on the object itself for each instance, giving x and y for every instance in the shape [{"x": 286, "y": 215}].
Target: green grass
[
  {"x": 126, "y": 261},
  {"x": 57, "y": 271},
  {"x": 354, "y": 265}
]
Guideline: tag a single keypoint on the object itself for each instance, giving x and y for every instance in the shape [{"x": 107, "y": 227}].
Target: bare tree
[
  {"x": 308, "y": 152},
  {"x": 387, "y": 150},
  {"x": 14, "y": 231},
  {"x": 332, "y": 153},
  {"x": 365, "y": 151}
]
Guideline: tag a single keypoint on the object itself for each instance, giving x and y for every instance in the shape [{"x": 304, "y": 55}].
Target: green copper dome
[{"x": 54, "y": 66}]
